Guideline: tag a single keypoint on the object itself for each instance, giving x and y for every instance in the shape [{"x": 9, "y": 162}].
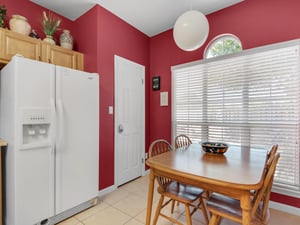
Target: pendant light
[{"x": 190, "y": 30}]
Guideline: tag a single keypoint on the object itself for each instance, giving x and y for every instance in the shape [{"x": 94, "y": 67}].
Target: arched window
[{"x": 222, "y": 45}]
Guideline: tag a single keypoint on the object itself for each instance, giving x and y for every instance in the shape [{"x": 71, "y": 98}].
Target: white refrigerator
[{"x": 49, "y": 115}]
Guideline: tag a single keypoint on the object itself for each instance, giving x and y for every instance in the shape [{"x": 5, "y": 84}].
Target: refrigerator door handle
[
  {"x": 53, "y": 123},
  {"x": 52, "y": 156},
  {"x": 60, "y": 123}
]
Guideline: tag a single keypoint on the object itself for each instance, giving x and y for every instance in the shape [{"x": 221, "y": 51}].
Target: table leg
[
  {"x": 246, "y": 208},
  {"x": 150, "y": 197}
]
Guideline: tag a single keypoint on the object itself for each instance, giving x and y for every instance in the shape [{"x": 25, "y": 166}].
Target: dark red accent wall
[
  {"x": 255, "y": 22},
  {"x": 104, "y": 35}
]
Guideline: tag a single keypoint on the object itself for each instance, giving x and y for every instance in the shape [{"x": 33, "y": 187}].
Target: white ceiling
[{"x": 149, "y": 16}]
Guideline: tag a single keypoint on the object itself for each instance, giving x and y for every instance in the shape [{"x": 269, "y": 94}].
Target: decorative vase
[
  {"x": 2, "y": 15},
  {"x": 19, "y": 24},
  {"x": 66, "y": 40},
  {"x": 49, "y": 39}
]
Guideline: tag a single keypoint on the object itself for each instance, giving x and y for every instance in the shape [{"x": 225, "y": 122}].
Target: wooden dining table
[{"x": 235, "y": 173}]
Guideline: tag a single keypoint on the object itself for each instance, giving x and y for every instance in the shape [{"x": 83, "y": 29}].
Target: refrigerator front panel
[
  {"x": 33, "y": 201},
  {"x": 77, "y": 100},
  {"x": 29, "y": 161},
  {"x": 34, "y": 93},
  {"x": 35, "y": 83}
]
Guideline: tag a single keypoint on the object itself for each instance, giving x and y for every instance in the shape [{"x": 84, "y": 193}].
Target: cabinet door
[
  {"x": 14, "y": 43},
  {"x": 62, "y": 57}
]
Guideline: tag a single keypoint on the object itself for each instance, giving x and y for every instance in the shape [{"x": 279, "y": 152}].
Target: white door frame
[{"x": 142, "y": 153}]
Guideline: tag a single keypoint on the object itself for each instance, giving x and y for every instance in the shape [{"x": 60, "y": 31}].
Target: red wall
[
  {"x": 104, "y": 36},
  {"x": 255, "y": 22}
]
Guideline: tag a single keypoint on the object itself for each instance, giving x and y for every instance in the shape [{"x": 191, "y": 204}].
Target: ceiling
[{"x": 149, "y": 16}]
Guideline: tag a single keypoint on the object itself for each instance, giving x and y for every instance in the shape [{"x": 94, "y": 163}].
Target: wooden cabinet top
[{"x": 12, "y": 43}]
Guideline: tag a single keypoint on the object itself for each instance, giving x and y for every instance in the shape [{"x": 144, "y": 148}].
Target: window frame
[
  {"x": 217, "y": 39},
  {"x": 277, "y": 188}
]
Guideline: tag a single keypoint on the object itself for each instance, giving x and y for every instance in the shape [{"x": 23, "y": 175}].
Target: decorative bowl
[{"x": 214, "y": 147}]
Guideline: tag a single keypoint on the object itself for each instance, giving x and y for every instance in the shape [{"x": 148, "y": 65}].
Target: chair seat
[
  {"x": 181, "y": 192},
  {"x": 231, "y": 207}
]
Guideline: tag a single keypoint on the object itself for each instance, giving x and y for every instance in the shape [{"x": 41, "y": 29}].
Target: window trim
[
  {"x": 216, "y": 39},
  {"x": 277, "y": 189}
]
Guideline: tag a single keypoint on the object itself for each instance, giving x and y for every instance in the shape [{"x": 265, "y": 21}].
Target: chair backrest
[
  {"x": 263, "y": 194},
  {"x": 182, "y": 141},
  {"x": 270, "y": 155},
  {"x": 158, "y": 147},
  {"x": 269, "y": 160}
]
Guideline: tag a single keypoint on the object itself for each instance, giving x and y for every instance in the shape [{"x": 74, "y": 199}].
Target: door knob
[{"x": 121, "y": 129}]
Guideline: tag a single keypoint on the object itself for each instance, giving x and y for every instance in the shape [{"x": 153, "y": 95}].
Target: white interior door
[{"x": 129, "y": 120}]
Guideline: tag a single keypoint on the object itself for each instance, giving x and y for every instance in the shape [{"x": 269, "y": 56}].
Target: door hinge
[
  {"x": 143, "y": 160},
  {"x": 142, "y": 81}
]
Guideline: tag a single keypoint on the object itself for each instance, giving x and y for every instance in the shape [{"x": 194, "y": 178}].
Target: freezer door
[
  {"x": 77, "y": 101},
  {"x": 35, "y": 83},
  {"x": 29, "y": 161},
  {"x": 33, "y": 192}
]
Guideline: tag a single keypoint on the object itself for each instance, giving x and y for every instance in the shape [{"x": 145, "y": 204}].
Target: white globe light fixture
[{"x": 191, "y": 30}]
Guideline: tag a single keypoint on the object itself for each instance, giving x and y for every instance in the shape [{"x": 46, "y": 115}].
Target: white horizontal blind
[{"x": 250, "y": 99}]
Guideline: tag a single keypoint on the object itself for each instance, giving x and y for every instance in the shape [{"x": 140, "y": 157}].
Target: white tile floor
[{"x": 127, "y": 206}]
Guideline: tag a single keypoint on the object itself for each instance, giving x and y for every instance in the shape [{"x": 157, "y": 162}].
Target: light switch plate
[
  {"x": 110, "y": 110},
  {"x": 164, "y": 99}
]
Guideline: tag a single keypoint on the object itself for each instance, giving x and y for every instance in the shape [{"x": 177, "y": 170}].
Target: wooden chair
[
  {"x": 174, "y": 191},
  {"x": 269, "y": 160},
  {"x": 225, "y": 207},
  {"x": 182, "y": 141},
  {"x": 270, "y": 155},
  {"x": 266, "y": 197}
]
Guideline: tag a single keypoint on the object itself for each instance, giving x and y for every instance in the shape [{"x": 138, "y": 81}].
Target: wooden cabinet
[
  {"x": 12, "y": 43},
  {"x": 61, "y": 56}
]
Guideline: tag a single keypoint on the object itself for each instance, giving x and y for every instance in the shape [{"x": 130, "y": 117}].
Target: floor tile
[
  {"x": 141, "y": 217},
  {"x": 108, "y": 216},
  {"x": 127, "y": 206},
  {"x": 70, "y": 221},
  {"x": 132, "y": 205},
  {"x": 281, "y": 218},
  {"x": 134, "y": 222},
  {"x": 91, "y": 211},
  {"x": 115, "y": 196}
]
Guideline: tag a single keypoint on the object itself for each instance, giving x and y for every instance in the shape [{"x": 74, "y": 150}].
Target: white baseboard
[
  {"x": 114, "y": 187},
  {"x": 284, "y": 208},
  {"x": 107, "y": 190}
]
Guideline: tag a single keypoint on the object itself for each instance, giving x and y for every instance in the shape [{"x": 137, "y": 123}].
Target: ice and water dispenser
[{"x": 36, "y": 126}]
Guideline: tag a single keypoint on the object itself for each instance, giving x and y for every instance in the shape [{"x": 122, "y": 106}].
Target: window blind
[{"x": 250, "y": 98}]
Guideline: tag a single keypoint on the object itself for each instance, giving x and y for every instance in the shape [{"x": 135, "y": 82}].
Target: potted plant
[
  {"x": 50, "y": 25},
  {"x": 2, "y": 15}
]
